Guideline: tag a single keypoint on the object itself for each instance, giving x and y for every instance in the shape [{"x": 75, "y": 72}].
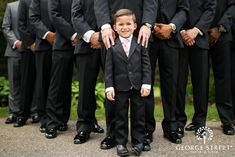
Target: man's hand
[
  {"x": 73, "y": 41},
  {"x": 108, "y": 35},
  {"x": 18, "y": 45},
  {"x": 143, "y": 36},
  {"x": 163, "y": 31},
  {"x": 187, "y": 39},
  {"x": 110, "y": 95},
  {"x": 214, "y": 35},
  {"x": 95, "y": 44},
  {"x": 144, "y": 92},
  {"x": 50, "y": 37},
  {"x": 32, "y": 47}
]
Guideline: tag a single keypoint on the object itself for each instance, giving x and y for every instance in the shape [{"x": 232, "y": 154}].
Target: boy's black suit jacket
[{"x": 122, "y": 72}]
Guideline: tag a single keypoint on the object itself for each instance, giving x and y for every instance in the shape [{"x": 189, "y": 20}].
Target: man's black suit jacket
[
  {"x": 122, "y": 72},
  {"x": 60, "y": 15},
  {"x": 39, "y": 19},
  {"x": 83, "y": 19},
  {"x": 172, "y": 11},
  {"x": 26, "y": 32},
  {"x": 201, "y": 15},
  {"x": 145, "y": 10},
  {"x": 223, "y": 16}
]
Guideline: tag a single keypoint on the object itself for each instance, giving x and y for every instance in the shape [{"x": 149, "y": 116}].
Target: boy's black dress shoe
[
  {"x": 149, "y": 137},
  {"x": 10, "y": 119},
  {"x": 173, "y": 137},
  {"x": 228, "y": 129},
  {"x": 81, "y": 137},
  {"x": 63, "y": 127},
  {"x": 51, "y": 133},
  {"x": 146, "y": 146},
  {"x": 97, "y": 128},
  {"x": 191, "y": 127},
  {"x": 35, "y": 118},
  {"x": 20, "y": 121},
  {"x": 107, "y": 143},
  {"x": 122, "y": 150}
]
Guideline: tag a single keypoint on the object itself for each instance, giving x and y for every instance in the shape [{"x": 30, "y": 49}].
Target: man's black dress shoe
[
  {"x": 191, "y": 127},
  {"x": 97, "y": 128},
  {"x": 173, "y": 137},
  {"x": 63, "y": 127},
  {"x": 122, "y": 150},
  {"x": 146, "y": 146},
  {"x": 180, "y": 132},
  {"x": 20, "y": 121},
  {"x": 149, "y": 137},
  {"x": 107, "y": 143},
  {"x": 228, "y": 129},
  {"x": 137, "y": 149},
  {"x": 35, "y": 118},
  {"x": 51, "y": 133},
  {"x": 10, "y": 119},
  {"x": 42, "y": 129},
  {"x": 81, "y": 137}
]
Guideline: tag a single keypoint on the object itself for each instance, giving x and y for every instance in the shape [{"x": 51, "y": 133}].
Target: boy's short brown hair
[{"x": 124, "y": 12}]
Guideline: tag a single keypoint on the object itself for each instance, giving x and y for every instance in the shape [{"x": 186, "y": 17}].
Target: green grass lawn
[{"x": 100, "y": 114}]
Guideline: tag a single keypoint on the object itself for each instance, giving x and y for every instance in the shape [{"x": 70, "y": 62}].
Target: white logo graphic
[{"x": 205, "y": 134}]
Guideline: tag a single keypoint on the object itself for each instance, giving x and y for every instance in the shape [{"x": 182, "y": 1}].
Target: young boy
[{"x": 127, "y": 79}]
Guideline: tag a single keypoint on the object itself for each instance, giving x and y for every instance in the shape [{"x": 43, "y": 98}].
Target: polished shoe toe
[
  {"x": 191, "y": 127},
  {"x": 63, "y": 127},
  {"x": 81, "y": 137},
  {"x": 35, "y": 118},
  {"x": 149, "y": 137},
  {"x": 122, "y": 150},
  {"x": 20, "y": 122},
  {"x": 42, "y": 129},
  {"x": 10, "y": 119},
  {"x": 51, "y": 133},
  {"x": 173, "y": 137},
  {"x": 137, "y": 149},
  {"x": 228, "y": 129},
  {"x": 107, "y": 143},
  {"x": 180, "y": 132},
  {"x": 97, "y": 128},
  {"x": 146, "y": 146}
]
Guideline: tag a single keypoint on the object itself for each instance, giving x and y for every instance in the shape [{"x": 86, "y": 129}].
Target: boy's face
[{"x": 125, "y": 26}]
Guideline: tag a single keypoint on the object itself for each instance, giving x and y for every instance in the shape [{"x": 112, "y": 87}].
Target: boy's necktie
[{"x": 126, "y": 46}]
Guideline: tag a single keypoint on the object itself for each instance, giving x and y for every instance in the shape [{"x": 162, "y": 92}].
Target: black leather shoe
[
  {"x": 42, "y": 129},
  {"x": 146, "y": 146},
  {"x": 51, "y": 133},
  {"x": 122, "y": 150},
  {"x": 173, "y": 137},
  {"x": 149, "y": 137},
  {"x": 97, "y": 128},
  {"x": 10, "y": 119},
  {"x": 228, "y": 129},
  {"x": 81, "y": 137},
  {"x": 20, "y": 121},
  {"x": 180, "y": 132},
  {"x": 191, "y": 127},
  {"x": 107, "y": 143},
  {"x": 63, "y": 127},
  {"x": 35, "y": 118},
  {"x": 137, "y": 149}
]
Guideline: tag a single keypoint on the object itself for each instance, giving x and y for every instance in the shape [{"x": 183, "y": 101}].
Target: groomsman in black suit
[
  {"x": 195, "y": 55},
  {"x": 10, "y": 32},
  {"x": 220, "y": 37},
  {"x": 145, "y": 12},
  {"x": 167, "y": 43},
  {"x": 88, "y": 61},
  {"x": 59, "y": 92},
  {"x": 45, "y": 32},
  {"x": 27, "y": 36}
]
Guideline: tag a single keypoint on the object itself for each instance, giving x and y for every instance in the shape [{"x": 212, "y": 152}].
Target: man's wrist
[
  {"x": 105, "y": 26},
  {"x": 173, "y": 27},
  {"x": 148, "y": 25}
]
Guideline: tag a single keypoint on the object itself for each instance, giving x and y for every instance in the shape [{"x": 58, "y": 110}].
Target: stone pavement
[{"x": 27, "y": 141}]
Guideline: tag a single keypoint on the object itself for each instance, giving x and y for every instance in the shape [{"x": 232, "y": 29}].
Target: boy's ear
[
  {"x": 114, "y": 27},
  {"x": 135, "y": 25}
]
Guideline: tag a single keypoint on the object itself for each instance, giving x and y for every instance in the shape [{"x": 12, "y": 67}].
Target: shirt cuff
[
  {"x": 14, "y": 45},
  {"x": 74, "y": 36},
  {"x": 146, "y": 86},
  {"x": 45, "y": 35},
  {"x": 105, "y": 26},
  {"x": 199, "y": 31},
  {"x": 87, "y": 36},
  {"x": 109, "y": 89}
]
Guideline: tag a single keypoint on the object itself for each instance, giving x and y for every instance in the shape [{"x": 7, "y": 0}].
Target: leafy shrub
[{"x": 4, "y": 91}]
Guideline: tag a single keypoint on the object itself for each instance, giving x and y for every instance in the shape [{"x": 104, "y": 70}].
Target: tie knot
[{"x": 125, "y": 41}]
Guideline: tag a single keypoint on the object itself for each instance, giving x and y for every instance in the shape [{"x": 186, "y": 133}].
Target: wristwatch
[
  {"x": 148, "y": 25},
  {"x": 221, "y": 29},
  {"x": 173, "y": 27}
]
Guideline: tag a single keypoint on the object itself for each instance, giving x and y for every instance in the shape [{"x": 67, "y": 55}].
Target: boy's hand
[
  {"x": 110, "y": 95},
  {"x": 144, "y": 92}
]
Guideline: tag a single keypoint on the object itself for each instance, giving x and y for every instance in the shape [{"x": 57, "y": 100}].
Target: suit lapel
[
  {"x": 119, "y": 49},
  {"x": 133, "y": 46}
]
